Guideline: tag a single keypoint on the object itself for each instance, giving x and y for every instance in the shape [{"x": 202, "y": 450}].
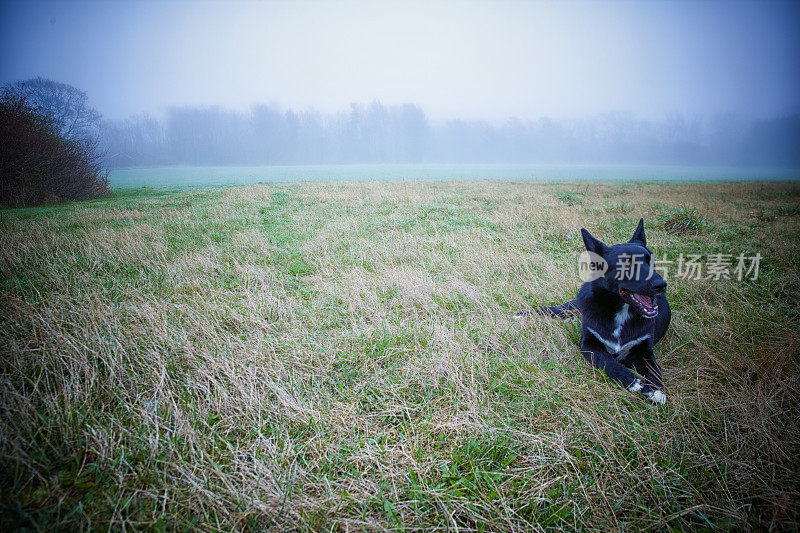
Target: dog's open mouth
[{"x": 646, "y": 306}]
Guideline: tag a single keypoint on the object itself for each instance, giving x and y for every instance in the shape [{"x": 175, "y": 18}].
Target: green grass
[
  {"x": 340, "y": 356},
  {"x": 570, "y": 198},
  {"x": 683, "y": 220}
]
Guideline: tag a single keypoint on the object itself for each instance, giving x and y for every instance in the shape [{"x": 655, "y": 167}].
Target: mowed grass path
[{"x": 341, "y": 356}]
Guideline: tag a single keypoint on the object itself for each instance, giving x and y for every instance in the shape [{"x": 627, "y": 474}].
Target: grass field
[{"x": 341, "y": 356}]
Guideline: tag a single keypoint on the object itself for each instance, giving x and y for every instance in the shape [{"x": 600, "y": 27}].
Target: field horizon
[
  {"x": 187, "y": 176},
  {"x": 341, "y": 356}
]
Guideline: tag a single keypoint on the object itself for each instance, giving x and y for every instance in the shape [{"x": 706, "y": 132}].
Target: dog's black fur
[{"x": 622, "y": 318}]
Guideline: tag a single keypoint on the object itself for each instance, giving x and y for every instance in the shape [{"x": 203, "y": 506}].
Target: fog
[
  {"x": 337, "y": 82},
  {"x": 375, "y": 133}
]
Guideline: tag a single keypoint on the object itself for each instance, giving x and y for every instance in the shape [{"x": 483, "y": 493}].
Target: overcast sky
[{"x": 479, "y": 60}]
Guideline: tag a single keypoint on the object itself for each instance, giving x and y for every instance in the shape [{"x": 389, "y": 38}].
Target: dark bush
[{"x": 37, "y": 164}]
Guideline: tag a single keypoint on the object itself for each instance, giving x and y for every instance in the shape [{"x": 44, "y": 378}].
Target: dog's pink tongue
[{"x": 644, "y": 300}]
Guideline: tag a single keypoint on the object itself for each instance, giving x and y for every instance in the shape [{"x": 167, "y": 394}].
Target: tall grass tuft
[{"x": 683, "y": 220}]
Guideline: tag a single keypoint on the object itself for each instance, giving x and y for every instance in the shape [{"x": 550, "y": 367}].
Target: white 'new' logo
[{"x": 591, "y": 266}]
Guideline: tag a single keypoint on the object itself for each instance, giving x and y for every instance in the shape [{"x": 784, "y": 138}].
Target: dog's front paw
[
  {"x": 657, "y": 397},
  {"x": 654, "y": 395},
  {"x": 636, "y": 386}
]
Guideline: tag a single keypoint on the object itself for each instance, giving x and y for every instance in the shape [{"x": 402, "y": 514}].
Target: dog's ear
[
  {"x": 592, "y": 244},
  {"x": 638, "y": 235}
]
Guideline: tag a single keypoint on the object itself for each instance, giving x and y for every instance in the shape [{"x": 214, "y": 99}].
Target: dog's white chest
[
  {"x": 619, "y": 320},
  {"x": 615, "y": 347}
]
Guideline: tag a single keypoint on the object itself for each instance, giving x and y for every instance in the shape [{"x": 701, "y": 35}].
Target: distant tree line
[
  {"x": 269, "y": 136},
  {"x": 375, "y": 133}
]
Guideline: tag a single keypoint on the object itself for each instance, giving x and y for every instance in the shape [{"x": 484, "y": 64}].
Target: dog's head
[{"x": 630, "y": 273}]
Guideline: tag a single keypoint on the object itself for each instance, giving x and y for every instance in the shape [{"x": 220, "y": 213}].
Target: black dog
[{"x": 625, "y": 312}]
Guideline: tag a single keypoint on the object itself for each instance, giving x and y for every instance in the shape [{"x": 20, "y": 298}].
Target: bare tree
[
  {"x": 67, "y": 106},
  {"x": 39, "y": 165}
]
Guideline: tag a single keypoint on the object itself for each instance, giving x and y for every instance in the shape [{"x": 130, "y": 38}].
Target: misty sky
[{"x": 477, "y": 60}]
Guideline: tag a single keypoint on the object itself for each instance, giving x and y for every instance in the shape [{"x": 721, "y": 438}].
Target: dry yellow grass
[{"x": 340, "y": 356}]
